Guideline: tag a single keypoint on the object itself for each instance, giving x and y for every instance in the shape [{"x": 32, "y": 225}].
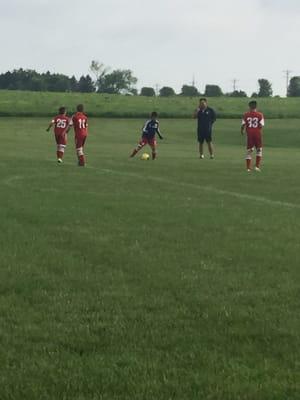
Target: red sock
[
  {"x": 59, "y": 154},
  {"x": 258, "y": 160},
  {"x": 134, "y": 153},
  {"x": 81, "y": 160},
  {"x": 248, "y": 163}
]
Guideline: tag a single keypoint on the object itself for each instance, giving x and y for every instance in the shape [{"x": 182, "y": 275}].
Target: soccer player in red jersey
[
  {"x": 80, "y": 124},
  {"x": 253, "y": 122},
  {"x": 150, "y": 129},
  {"x": 61, "y": 125}
]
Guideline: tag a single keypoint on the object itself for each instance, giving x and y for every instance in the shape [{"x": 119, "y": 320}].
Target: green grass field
[
  {"x": 41, "y": 104},
  {"x": 129, "y": 279}
]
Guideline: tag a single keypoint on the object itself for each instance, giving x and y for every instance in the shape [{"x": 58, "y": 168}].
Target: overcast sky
[{"x": 164, "y": 42}]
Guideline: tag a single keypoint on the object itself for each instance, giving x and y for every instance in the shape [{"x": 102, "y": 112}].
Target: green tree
[
  {"x": 133, "y": 92},
  {"x": 265, "y": 88},
  {"x": 118, "y": 81},
  {"x": 166, "y": 91},
  {"x": 237, "y": 93},
  {"x": 56, "y": 82},
  {"x": 99, "y": 70},
  {"x": 73, "y": 84},
  {"x": 294, "y": 87},
  {"x": 86, "y": 84},
  {"x": 213, "y": 91},
  {"x": 189, "y": 90},
  {"x": 147, "y": 91}
]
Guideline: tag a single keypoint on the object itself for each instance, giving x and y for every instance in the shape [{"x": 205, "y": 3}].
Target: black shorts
[{"x": 204, "y": 136}]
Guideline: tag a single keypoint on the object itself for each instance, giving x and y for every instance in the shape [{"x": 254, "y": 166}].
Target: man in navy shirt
[
  {"x": 206, "y": 117},
  {"x": 150, "y": 129}
]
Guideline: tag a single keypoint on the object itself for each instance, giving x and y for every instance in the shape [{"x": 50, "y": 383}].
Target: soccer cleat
[
  {"x": 212, "y": 156},
  {"x": 257, "y": 169},
  {"x": 201, "y": 156},
  {"x": 59, "y": 160},
  {"x": 248, "y": 170}
]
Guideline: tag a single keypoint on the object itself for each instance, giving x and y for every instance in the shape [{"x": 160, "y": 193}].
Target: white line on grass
[
  {"x": 210, "y": 189},
  {"x": 11, "y": 181}
]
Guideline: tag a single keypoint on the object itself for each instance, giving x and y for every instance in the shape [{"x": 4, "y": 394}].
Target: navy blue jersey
[
  {"x": 151, "y": 128},
  {"x": 206, "y": 118}
]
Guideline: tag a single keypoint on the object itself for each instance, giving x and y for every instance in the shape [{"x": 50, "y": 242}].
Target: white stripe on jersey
[{"x": 145, "y": 126}]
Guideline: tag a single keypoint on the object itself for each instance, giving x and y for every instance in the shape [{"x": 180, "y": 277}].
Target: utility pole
[
  {"x": 157, "y": 89},
  {"x": 234, "y": 84},
  {"x": 287, "y": 73},
  {"x": 193, "y": 80}
]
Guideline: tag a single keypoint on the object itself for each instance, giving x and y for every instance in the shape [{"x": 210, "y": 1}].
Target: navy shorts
[{"x": 204, "y": 136}]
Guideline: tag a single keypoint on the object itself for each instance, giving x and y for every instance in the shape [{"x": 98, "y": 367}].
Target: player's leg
[
  {"x": 258, "y": 158},
  {"x": 153, "y": 146},
  {"x": 258, "y": 146},
  {"x": 249, "y": 159},
  {"x": 60, "y": 147},
  {"x": 210, "y": 145},
  {"x": 201, "y": 150},
  {"x": 250, "y": 147},
  {"x": 79, "y": 141},
  {"x": 201, "y": 141},
  {"x": 140, "y": 145},
  {"x": 60, "y": 152}
]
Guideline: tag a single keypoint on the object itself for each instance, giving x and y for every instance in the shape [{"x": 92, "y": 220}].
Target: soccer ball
[{"x": 145, "y": 156}]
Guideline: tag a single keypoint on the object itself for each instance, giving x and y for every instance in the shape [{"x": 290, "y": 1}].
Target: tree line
[{"x": 121, "y": 81}]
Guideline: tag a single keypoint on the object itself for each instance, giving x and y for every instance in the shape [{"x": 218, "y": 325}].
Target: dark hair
[
  {"x": 203, "y": 99},
  {"x": 253, "y": 104},
  {"x": 154, "y": 114},
  {"x": 80, "y": 108},
  {"x": 62, "y": 110}
]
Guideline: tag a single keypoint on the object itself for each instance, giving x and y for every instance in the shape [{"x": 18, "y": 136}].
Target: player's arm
[
  {"x": 50, "y": 126},
  {"x": 213, "y": 116},
  {"x": 195, "y": 115},
  {"x": 159, "y": 132},
  {"x": 243, "y": 126},
  {"x": 70, "y": 124},
  {"x": 262, "y": 122}
]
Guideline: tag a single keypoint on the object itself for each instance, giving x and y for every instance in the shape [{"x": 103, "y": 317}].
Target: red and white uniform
[
  {"x": 253, "y": 122},
  {"x": 61, "y": 124},
  {"x": 80, "y": 124}
]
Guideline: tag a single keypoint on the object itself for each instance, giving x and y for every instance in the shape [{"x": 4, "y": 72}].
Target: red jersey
[
  {"x": 61, "y": 123},
  {"x": 80, "y": 123},
  {"x": 254, "y": 121}
]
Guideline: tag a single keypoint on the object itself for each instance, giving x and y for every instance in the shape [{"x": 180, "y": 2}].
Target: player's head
[
  {"x": 62, "y": 110},
  {"x": 80, "y": 108},
  {"x": 203, "y": 102},
  {"x": 252, "y": 104},
  {"x": 154, "y": 115}
]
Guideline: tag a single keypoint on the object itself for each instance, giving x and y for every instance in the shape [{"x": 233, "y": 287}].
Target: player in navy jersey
[{"x": 150, "y": 129}]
